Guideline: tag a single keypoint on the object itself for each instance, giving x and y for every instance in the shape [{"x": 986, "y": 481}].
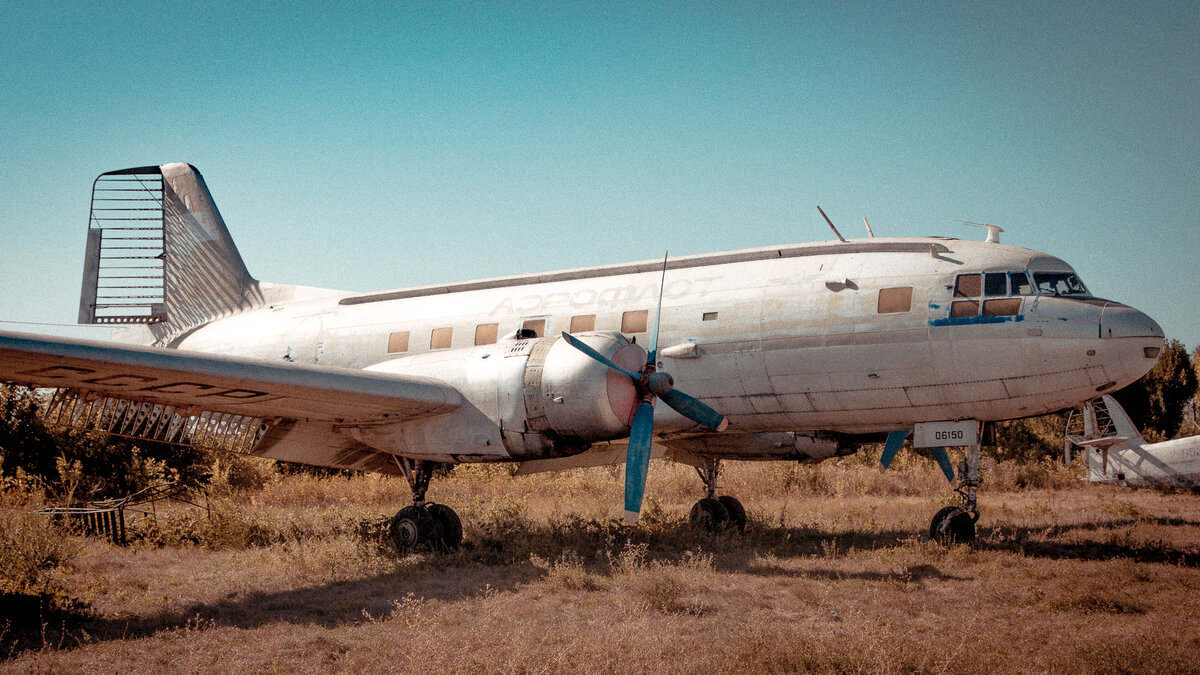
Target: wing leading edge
[{"x": 283, "y": 410}]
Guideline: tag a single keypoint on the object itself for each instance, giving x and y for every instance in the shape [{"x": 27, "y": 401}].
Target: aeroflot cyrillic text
[{"x": 613, "y": 295}]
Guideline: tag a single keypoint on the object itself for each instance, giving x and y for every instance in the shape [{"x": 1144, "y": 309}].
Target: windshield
[{"x": 1059, "y": 283}]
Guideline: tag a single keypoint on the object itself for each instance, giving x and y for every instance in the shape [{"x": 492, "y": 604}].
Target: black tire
[
  {"x": 449, "y": 526},
  {"x": 708, "y": 514},
  {"x": 411, "y": 527},
  {"x": 735, "y": 511},
  {"x": 956, "y": 529}
]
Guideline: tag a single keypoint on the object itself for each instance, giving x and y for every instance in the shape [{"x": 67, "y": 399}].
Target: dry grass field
[{"x": 830, "y": 575}]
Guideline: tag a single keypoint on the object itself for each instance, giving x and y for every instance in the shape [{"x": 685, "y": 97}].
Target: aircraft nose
[{"x": 1123, "y": 321}]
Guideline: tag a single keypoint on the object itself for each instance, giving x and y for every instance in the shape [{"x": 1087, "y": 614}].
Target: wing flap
[{"x": 190, "y": 382}]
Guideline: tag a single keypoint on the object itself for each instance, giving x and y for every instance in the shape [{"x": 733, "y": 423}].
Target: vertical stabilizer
[
  {"x": 1121, "y": 422},
  {"x": 159, "y": 255}
]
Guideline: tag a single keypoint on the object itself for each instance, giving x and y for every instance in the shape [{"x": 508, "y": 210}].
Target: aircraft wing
[
  {"x": 219, "y": 383},
  {"x": 276, "y": 409}
]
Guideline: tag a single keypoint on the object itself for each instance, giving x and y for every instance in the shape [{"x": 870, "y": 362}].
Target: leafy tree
[
  {"x": 1029, "y": 439},
  {"x": 87, "y": 464},
  {"x": 1191, "y": 412},
  {"x": 1156, "y": 403},
  {"x": 27, "y": 443}
]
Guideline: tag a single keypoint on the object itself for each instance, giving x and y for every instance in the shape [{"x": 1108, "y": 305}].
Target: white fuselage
[
  {"x": 1173, "y": 463},
  {"x": 800, "y": 337}
]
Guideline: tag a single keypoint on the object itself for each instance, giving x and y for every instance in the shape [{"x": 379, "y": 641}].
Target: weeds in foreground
[
  {"x": 828, "y": 582},
  {"x": 566, "y": 573},
  {"x": 32, "y": 551}
]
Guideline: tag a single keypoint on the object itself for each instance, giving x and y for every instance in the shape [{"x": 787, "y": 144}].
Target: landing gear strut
[
  {"x": 713, "y": 512},
  {"x": 956, "y": 524},
  {"x": 433, "y": 525}
]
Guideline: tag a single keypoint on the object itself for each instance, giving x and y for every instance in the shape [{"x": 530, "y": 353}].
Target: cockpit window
[
  {"x": 1059, "y": 283},
  {"x": 1020, "y": 284},
  {"x": 966, "y": 286},
  {"x": 995, "y": 284},
  {"x": 1001, "y": 293}
]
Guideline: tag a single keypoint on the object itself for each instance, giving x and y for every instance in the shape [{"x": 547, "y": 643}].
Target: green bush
[{"x": 83, "y": 465}]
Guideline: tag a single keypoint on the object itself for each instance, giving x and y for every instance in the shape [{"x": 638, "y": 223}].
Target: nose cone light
[{"x": 1121, "y": 321}]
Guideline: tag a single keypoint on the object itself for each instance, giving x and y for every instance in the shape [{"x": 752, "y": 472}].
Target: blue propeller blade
[
  {"x": 581, "y": 346},
  {"x": 695, "y": 410},
  {"x": 637, "y": 460},
  {"x": 652, "y": 355},
  {"x": 894, "y": 440},
  {"x": 943, "y": 460}
]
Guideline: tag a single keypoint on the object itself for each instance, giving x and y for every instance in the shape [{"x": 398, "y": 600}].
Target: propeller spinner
[{"x": 651, "y": 384}]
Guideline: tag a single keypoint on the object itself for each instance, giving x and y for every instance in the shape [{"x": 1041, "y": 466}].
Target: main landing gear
[
  {"x": 713, "y": 512},
  {"x": 433, "y": 525},
  {"x": 956, "y": 524}
]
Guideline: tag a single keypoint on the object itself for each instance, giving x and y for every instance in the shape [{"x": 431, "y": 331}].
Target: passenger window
[
  {"x": 536, "y": 326},
  {"x": 1002, "y": 307},
  {"x": 967, "y": 286},
  {"x": 708, "y": 316},
  {"x": 895, "y": 300},
  {"x": 995, "y": 284},
  {"x": 398, "y": 343},
  {"x": 440, "y": 338},
  {"x": 485, "y": 333},
  {"x": 1020, "y": 284},
  {"x": 583, "y": 323},
  {"x": 634, "y": 322},
  {"x": 964, "y": 308}
]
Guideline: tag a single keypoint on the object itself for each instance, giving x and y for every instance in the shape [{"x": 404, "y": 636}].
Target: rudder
[{"x": 159, "y": 254}]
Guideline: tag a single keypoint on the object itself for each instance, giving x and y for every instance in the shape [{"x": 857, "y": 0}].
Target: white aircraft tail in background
[{"x": 1118, "y": 454}]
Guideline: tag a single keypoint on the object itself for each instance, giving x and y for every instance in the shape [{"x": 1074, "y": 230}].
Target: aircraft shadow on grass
[
  {"x": 1032, "y": 542},
  {"x": 348, "y": 602}
]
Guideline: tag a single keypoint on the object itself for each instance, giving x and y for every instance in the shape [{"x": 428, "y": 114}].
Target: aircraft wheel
[
  {"x": 709, "y": 514},
  {"x": 449, "y": 526},
  {"x": 952, "y": 529},
  {"x": 735, "y": 511},
  {"x": 412, "y": 526}
]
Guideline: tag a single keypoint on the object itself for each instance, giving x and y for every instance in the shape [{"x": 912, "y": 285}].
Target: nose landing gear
[{"x": 956, "y": 524}]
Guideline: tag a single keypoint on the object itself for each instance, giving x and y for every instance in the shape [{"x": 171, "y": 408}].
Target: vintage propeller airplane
[{"x": 791, "y": 352}]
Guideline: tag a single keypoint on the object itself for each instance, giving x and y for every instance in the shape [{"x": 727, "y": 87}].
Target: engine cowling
[{"x": 548, "y": 398}]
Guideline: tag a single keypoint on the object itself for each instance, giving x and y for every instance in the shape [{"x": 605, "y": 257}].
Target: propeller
[
  {"x": 896, "y": 438},
  {"x": 650, "y": 384}
]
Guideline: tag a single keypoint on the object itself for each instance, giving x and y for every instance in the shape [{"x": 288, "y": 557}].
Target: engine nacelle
[{"x": 548, "y": 398}]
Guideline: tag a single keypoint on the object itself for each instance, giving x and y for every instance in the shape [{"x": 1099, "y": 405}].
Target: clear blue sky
[{"x": 367, "y": 146}]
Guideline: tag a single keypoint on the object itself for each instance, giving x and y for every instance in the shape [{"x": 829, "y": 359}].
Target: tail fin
[
  {"x": 1121, "y": 422},
  {"x": 158, "y": 254}
]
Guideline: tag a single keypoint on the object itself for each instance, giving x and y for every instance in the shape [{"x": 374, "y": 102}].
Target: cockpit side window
[
  {"x": 1000, "y": 291},
  {"x": 967, "y": 286},
  {"x": 1059, "y": 283},
  {"x": 1020, "y": 284},
  {"x": 960, "y": 309},
  {"x": 995, "y": 284},
  {"x": 1002, "y": 307}
]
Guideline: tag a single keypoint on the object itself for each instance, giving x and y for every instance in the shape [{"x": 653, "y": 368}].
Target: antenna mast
[{"x": 835, "y": 231}]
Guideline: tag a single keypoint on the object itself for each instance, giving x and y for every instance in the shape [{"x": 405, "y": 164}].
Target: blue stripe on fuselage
[{"x": 976, "y": 320}]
